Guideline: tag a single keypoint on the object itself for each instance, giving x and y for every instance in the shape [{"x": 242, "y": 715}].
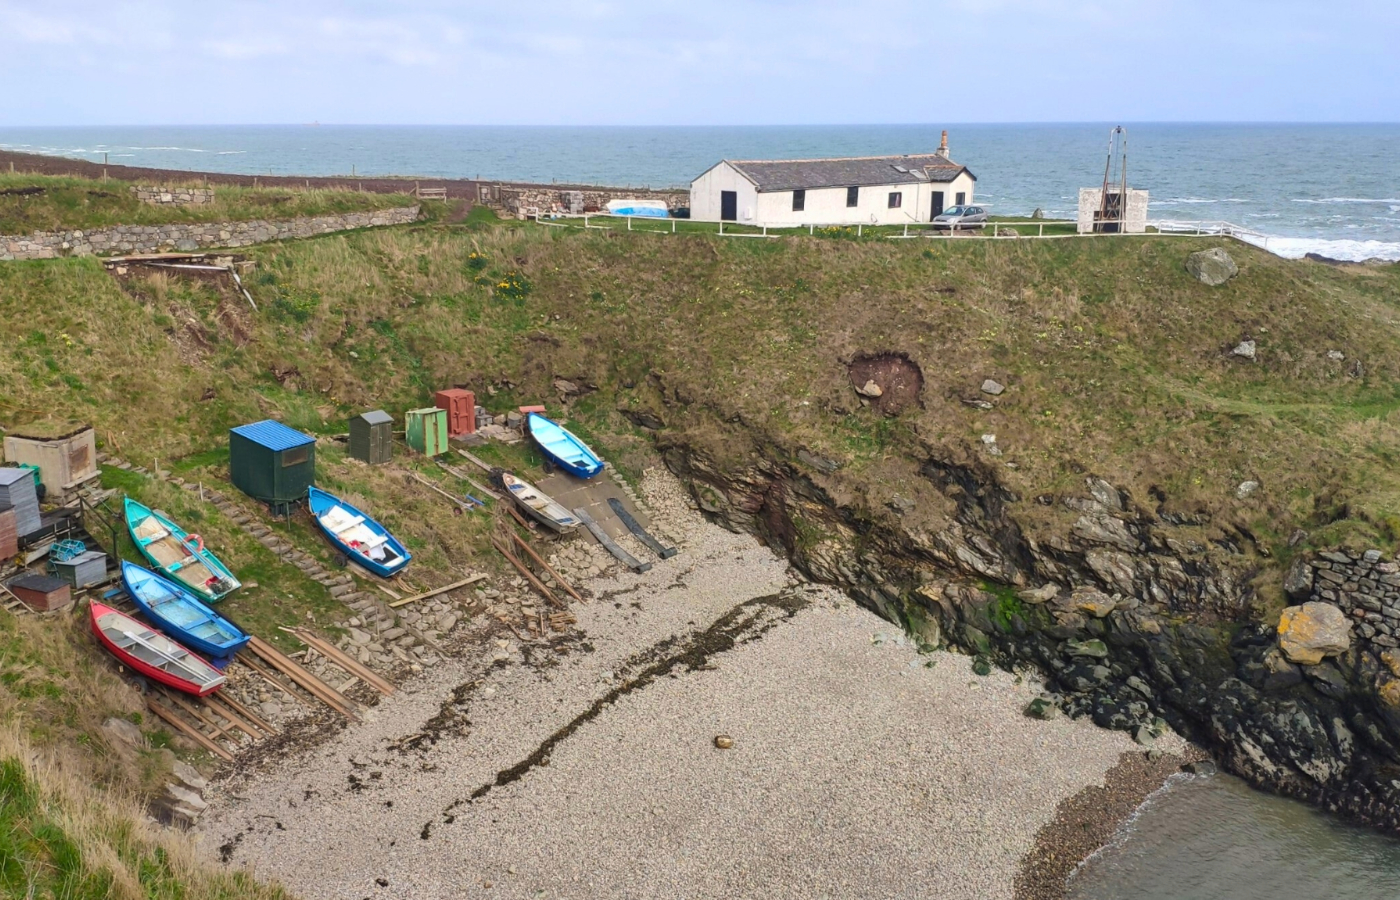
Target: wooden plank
[
  {"x": 248, "y": 715},
  {"x": 301, "y": 676},
  {"x": 547, "y": 567},
  {"x": 233, "y": 718},
  {"x": 219, "y": 730},
  {"x": 344, "y": 660},
  {"x": 471, "y": 579},
  {"x": 515, "y": 514},
  {"x": 609, "y": 544},
  {"x": 273, "y": 679},
  {"x": 529, "y": 576},
  {"x": 474, "y": 460},
  {"x": 187, "y": 729}
]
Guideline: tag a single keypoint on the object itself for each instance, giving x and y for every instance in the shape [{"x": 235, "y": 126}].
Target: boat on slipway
[
  {"x": 152, "y": 654},
  {"x": 175, "y": 610},
  {"x": 362, "y": 540},
  {"x": 538, "y": 504},
  {"x": 562, "y": 447},
  {"x": 178, "y": 555}
]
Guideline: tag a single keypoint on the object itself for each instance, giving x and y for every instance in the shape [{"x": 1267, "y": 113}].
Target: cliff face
[{"x": 1124, "y": 616}]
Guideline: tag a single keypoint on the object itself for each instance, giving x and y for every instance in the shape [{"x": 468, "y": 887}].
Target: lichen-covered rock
[
  {"x": 1310, "y": 632},
  {"x": 1213, "y": 267},
  {"x": 1095, "y": 603}
]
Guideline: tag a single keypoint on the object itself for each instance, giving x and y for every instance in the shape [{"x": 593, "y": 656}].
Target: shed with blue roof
[{"x": 270, "y": 462}]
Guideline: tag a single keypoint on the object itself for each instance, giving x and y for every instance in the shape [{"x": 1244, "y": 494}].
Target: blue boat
[
  {"x": 363, "y": 540},
  {"x": 563, "y": 448},
  {"x": 175, "y": 610}
]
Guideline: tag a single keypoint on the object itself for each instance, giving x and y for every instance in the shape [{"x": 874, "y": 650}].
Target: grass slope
[
  {"x": 1116, "y": 362},
  {"x": 66, "y": 202}
]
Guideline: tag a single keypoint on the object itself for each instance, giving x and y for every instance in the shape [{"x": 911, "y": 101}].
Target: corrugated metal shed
[
  {"x": 270, "y": 462},
  {"x": 426, "y": 430},
  {"x": 461, "y": 410},
  {"x": 372, "y": 437},
  {"x": 17, "y": 490}
]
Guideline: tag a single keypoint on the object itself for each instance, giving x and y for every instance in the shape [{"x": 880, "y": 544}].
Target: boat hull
[
  {"x": 165, "y": 546},
  {"x": 548, "y": 512},
  {"x": 323, "y": 511},
  {"x": 563, "y": 448},
  {"x": 101, "y": 616},
  {"x": 180, "y": 614}
]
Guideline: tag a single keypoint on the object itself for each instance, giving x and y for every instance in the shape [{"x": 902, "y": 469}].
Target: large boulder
[
  {"x": 1310, "y": 632},
  {"x": 1212, "y": 267}
]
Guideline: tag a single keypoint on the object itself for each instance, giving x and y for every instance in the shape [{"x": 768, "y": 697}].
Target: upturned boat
[
  {"x": 152, "y": 654},
  {"x": 563, "y": 447},
  {"x": 175, "y": 610},
  {"x": 178, "y": 555},
  {"x": 362, "y": 540},
  {"x": 538, "y": 504}
]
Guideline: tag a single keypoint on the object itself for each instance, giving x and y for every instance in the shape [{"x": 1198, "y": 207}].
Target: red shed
[
  {"x": 41, "y": 592},
  {"x": 461, "y": 410}
]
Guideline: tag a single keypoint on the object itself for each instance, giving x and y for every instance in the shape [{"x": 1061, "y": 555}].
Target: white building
[{"x": 870, "y": 190}]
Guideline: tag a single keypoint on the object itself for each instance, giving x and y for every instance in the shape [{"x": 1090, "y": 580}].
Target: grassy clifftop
[{"x": 30, "y": 203}]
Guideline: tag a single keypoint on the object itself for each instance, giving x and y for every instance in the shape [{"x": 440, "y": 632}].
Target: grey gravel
[{"x": 856, "y": 769}]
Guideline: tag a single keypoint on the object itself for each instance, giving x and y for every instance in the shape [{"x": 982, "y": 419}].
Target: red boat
[{"x": 152, "y": 654}]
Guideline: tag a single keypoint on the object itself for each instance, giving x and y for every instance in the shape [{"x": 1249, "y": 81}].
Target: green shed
[
  {"x": 372, "y": 437},
  {"x": 427, "y": 430},
  {"x": 270, "y": 462}
]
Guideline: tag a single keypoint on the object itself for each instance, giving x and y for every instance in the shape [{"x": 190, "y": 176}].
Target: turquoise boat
[
  {"x": 178, "y": 555},
  {"x": 563, "y": 447}
]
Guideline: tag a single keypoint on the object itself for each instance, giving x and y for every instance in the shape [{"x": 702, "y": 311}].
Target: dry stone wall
[
  {"x": 529, "y": 200},
  {"x": 1363, "y": 585},
  {"x": 174, "y": 196},
  {"x": 190, "y": 236}
]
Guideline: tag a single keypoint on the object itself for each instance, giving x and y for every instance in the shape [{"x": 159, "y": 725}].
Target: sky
[{"x": 727, "y": 62}]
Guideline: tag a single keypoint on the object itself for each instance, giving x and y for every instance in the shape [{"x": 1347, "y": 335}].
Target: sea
[
  {"x": 1213, "y": 837},
  {"x": 1331, "y": 189}
]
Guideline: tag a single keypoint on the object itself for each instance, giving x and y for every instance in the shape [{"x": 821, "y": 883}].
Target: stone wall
[
  {"x": 524, "y": 201},
  {"x": 188, "y": 237},
  {"x": 1364, "y": 586},
  {"x": 174, "y": 196}
]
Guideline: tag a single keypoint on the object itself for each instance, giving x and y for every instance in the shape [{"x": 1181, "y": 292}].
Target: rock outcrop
[
  {"x": 1130, "y": 615},
  {"x": 1213, "y": 267}
]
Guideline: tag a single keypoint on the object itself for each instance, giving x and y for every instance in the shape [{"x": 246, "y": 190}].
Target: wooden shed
[
  {"x": 426, "y": 430},
  {"x": 41, "y": 592},
  {"x": 9, "y": 534},
  {"x": 65, "y": 452},
  {"x": 17, "y": 492},
  {"x": 372, "y": 437},
  {"x": 270, "y": 462}
]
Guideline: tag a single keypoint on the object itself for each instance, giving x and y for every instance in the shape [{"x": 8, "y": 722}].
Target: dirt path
[{"x": 859, "y": 767}]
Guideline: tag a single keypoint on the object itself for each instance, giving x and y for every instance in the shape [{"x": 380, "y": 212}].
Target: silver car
[{"x": 956, "y": 218}]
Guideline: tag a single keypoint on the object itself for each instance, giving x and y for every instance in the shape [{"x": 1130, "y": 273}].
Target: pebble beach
[{"x": 853, "y": 765}]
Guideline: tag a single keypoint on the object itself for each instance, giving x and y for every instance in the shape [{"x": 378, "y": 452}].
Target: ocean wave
[
  {"x": 1199, "y": 200},
  {"x": 1128, "y": 826},
  {"x": 230, "y": 152},
  {"x": 1344, "y": 250},
  {"x": 181, "y": 149},
  {"x": 1345, "y": 200}
]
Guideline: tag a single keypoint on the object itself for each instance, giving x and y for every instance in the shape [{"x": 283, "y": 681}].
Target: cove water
[
  {"x": 1328, "y": 188},
  {"x": 1214, "y": 837}
]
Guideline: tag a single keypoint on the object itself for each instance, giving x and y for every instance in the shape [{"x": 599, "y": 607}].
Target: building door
[
  {"x": 728, "y": 206},
  {"x": 937, "y": 204}
]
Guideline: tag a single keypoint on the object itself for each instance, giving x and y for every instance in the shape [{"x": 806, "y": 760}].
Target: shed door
[
  {"x": 728, "y": 206},
  {"x": 937, "y": 204}
]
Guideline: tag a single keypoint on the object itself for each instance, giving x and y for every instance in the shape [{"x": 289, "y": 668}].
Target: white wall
[{"x": 705, "y": 195}]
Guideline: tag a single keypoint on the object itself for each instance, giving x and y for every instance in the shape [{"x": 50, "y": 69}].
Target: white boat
[{"x": 539, "y": 504}]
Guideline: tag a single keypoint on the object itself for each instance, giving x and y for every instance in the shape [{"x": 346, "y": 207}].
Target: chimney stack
[{"x": 943, "y": 145}]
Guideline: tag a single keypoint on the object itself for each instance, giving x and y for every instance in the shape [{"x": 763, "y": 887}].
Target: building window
[
  {"x": 962, "y": 198},
  {"x": 295, "y": 456},
  {"x": 852, "y": 196},
  {"x": 799, "y": 201},
  {"x": 896, "y": 199}
]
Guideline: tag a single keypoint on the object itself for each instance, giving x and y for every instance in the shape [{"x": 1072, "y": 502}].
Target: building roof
[
  {"x": 376, "y": 417},
  {"x": 273, "y": 435},
  {"x": 853, "y": 171}
]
